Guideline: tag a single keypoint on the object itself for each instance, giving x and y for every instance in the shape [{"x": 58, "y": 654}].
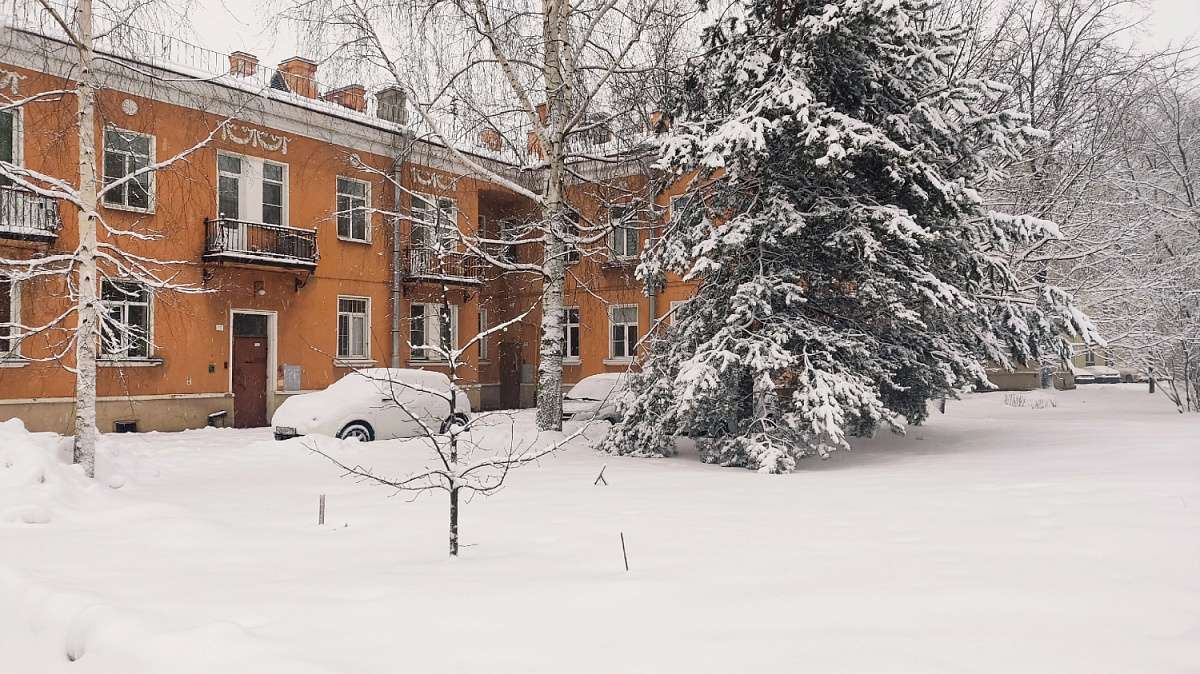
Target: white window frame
[
  {"x": 567, "y": 341},
  {"x": 675, "y": 304},
  {"x": 366, "y": 208},
  {"x": 676, "y": 199},
  {"x": 18, "y": 137},
  {"x": 152, "y": 176},
  {"x": 12, "y": 351},
  {"x": 350, "y": 356},
  {"x": 620, "y": 234},
  {"x": 126, "y": 344},
  {"x": 250, "y": 189},
  {"x": 483, "y": 327},
  {"x": 630, "y": 344},
  {"x": 443, "y": 228},
  {"x": 431, "y": 330}
]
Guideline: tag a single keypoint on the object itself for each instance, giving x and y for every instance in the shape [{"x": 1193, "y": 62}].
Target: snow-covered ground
[{"x": 1043, "y": 538}]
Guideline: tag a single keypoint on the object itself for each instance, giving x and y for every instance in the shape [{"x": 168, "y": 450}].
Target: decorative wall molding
[
  {"x": 430, "y": 179},
  {"x": 254, "y": 138},
  {"x": 12, "y": 80}
]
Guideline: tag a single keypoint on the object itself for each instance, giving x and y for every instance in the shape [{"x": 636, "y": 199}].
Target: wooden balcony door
[{"x": 251, "y": 353}]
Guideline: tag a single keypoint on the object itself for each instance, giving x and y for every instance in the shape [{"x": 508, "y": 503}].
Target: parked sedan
[
  {"x": 594, "y": 397},
  {"x": 373, "y": 404}
]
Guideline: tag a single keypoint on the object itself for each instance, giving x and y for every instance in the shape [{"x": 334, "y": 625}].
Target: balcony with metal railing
[
  {"x": 423, "y": 264},
  {"x": 27, "y": 216},
  {"x": 258, "y": 244}
]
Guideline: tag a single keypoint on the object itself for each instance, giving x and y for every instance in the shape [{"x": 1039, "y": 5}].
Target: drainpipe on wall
[{"x": 398, "y": 176}]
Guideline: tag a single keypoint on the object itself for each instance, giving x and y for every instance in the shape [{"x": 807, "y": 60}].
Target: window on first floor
[
  {"x": 10, "y": 313},
  {"x": 1089, "y": 358},
  {"x": 125, "y": 327},
  {"x": 624, "y": 323},
  {"x": 671, "y": 317},
  {"x": 126, "y": 153},
  {"x": 353, "y": 200},
  {"x": 571, "y": 327},
  {"x": 432, "y": 325},
  {"x": 353, "y": 328},
  {"x": 483, "y": 340}
]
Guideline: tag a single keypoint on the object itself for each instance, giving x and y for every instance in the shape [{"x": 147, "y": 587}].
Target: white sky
[{"x": 229, "y": 25}]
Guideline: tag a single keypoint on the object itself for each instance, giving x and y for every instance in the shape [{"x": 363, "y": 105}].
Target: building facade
[{"x": 296, "y": 232}]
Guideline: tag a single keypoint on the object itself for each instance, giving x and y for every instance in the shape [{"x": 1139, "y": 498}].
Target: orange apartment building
[{"x": 292, "y": 257}]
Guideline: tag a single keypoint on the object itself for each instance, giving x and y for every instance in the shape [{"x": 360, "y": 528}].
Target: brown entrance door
[
  {"x": 249, "y": 370},
  {"x": 510, "y": 375}
]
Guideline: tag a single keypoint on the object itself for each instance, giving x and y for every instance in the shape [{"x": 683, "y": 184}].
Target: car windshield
[{"x": 594, "y": 388}]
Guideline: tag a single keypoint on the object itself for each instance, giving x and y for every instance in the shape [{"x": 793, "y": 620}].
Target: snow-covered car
[
  {"x": 1103, "y": 375},
  {"x": 373, "y": 404},
  {"x": 594, "y": 397}
]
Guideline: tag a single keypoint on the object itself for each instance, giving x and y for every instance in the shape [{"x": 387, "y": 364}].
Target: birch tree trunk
[
  {"x": 87, "y": 332},
  {"x": 555, "y": 19}
]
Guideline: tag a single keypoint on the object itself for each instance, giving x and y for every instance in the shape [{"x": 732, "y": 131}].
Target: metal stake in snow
[
  {"x": 321, "y": 516},
  {"x": 623, "y": 554}
]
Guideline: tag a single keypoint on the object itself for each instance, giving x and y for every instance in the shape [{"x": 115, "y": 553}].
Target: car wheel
[
  {"x": 460, "y": 419},
  {"x": 357, "y": 430}
]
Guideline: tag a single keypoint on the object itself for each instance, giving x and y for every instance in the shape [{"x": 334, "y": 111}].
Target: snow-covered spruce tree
[{"x": 847, "y": 271}]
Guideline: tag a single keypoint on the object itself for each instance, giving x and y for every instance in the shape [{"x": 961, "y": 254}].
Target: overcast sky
[{"x": 230, "y": 25}]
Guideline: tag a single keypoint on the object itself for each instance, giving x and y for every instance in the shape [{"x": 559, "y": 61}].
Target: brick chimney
[
  {"x": 659, "y": 123},
  {"x": 300, "y": 76},
  {"x": 490, "y": 138},
  {"x": 242, "y": 64},
  {"x": 534, "y": 144},
  {"x": 353, "y": 96}
]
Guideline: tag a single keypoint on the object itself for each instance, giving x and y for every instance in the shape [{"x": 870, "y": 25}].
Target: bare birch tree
[
  {"x": 461, "y": 462},
  {"x": 555, "y": 90},
  {"x": 85, "y": 321}
]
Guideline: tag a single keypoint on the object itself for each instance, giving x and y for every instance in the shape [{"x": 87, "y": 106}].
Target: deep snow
[{"x": 993, "y": 539}]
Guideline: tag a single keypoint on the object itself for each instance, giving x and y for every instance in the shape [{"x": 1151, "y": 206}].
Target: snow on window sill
[
  {"x": 350, "y": 239},
  {"x": 618, "y": 361},
  {"x": 353, "y": 362},
  {"x": 429, "y": 363},
  {"x": 569, "y": 360},
  {"x": 128, "y": 362},
  {"x": 13, "y": 360}
]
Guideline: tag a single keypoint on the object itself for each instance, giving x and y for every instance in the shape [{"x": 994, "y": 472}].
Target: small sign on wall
[{"x": 291, "y": 377}]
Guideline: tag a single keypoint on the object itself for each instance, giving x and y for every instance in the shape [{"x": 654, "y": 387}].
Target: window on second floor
[
  {"x": 126, "y": 153},
  {"x": 252, "y": 189},
  {"x": 434, "y": 223},
  {"x": 623, "y": 241},
  {"x": 353, "y": 202},
  {"x": 8, "y": 141},
  {"x": 125, "y": 329}
]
